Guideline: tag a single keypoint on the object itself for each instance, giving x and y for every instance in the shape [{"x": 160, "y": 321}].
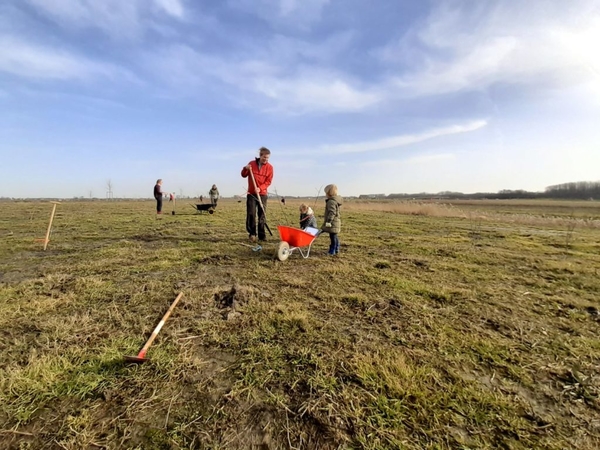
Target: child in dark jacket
[
  {"x": 333, "y": 218},
  {"x": 307, "y": 217}
]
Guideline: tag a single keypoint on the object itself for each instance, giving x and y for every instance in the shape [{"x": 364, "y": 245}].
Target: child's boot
[{"x": 331, "y": 251}]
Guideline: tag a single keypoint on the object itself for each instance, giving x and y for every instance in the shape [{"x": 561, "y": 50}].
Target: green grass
[{"x": 435, "y": 332}]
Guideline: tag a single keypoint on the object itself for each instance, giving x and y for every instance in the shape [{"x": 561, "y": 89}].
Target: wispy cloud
[
  {"x": 401, "y": 140},
  {"x": 172, "y": 7},
  {"x": 39, "y": 62},
  {"x": 463, "y": 48},
  {"x": 263, "y": 83},
  {"x": 117, "y": 18},
  {"x": 315, "y": 90}
]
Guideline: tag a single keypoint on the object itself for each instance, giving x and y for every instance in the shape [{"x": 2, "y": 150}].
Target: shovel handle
[
  {"x": 47, "y": 239},
  {"x": 256, "y": 189},
  {"x": 143, "y": 351},
  {"x": 259, "y": 200}
]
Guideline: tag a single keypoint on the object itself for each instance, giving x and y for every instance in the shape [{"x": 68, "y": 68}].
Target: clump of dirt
[
  {"x": 235, "y": 297},
  {"x": 226, "y": 299},
  {"x": 233, "y": 300}
]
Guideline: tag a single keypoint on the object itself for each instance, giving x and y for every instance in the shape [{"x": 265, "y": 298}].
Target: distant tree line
[{"x": 580, "y": 190}]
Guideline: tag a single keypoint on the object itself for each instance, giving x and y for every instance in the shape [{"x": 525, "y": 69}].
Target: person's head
[
  {"x": 264, "y": 153},
  {"x": 303, "y": 208},
  {"x": 214, "y": 186},
  {"x": 331, "y": 190},
  {"x": 159, "y": 181}
]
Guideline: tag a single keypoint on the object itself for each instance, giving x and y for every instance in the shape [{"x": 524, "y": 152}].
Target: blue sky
[{"x": 376, "y": 96}]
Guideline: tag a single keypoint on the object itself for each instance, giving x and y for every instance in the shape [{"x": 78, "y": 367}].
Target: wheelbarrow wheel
[
  {"x": 283, "y": 252},
  {"x": 211, "y": 211}
]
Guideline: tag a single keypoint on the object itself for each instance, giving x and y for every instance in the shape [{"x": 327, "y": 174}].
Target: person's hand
[
  {"x": 248, "y": 167},
  {"x": 257, "y": 190},
  {"x": 328, "y": 224}
]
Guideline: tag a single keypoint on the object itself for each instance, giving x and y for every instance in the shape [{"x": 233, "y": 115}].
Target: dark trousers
[
  {"x": 334, "y": 244},
  {"x": 158, "y": 204},
  {"x": 252, "y": 209},
  {"x": 214, "y": 202}
]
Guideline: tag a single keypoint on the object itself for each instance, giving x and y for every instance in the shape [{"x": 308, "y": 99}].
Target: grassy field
[{"x": 460, "y": 326}]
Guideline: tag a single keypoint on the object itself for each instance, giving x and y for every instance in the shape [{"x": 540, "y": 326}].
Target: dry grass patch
[
  {"x": 406, "y": 207},
  {"x": 429, "y": 330}
]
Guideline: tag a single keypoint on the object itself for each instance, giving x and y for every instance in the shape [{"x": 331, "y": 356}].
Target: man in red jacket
[{"x": 263, "y": 175}]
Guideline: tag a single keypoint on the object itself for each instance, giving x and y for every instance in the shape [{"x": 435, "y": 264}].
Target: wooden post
[{"x": 47, "y": 239}]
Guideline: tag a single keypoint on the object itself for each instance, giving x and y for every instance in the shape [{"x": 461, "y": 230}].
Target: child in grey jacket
[{"x": 333, "y": 218}]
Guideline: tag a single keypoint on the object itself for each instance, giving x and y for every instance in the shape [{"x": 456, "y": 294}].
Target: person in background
[
  {"x": 307, "y": 217},
  {"x": 214, "y": 195},
  {"x": 158, "y": 195},
  {"x": 263, "y": 176},
  {"x": 333, "y": 219}
]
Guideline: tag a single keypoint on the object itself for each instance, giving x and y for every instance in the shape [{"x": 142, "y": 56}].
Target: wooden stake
[{"x": 47, "y": 239}]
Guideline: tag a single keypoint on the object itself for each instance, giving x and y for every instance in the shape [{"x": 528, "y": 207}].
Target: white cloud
[
  {"x": 117, "y": 18},
  {"x": 262, "y": 82},
  {"x": 34, "y": 61},
  {"x": 172, "y": 7},
  {"x": 401, "y": 140},
  {"x": 462, "y": 47},
  {"x": 314, "y": 90},
  {"x": 582, "y": 44}
]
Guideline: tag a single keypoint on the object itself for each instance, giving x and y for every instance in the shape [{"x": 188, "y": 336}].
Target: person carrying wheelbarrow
[{"x": 260, "y": 175}]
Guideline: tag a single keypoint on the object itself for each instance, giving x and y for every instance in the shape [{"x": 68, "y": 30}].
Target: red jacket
[{"x": 263, "y": 177}]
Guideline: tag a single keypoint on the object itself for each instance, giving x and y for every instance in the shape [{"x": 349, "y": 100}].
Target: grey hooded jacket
[{"x": 332, "y": 215}]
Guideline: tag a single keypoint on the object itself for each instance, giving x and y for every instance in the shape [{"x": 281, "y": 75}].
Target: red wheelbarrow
[{"x": 295, "y": 238}]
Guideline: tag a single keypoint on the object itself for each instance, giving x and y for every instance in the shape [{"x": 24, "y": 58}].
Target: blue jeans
[{"x": 334, "y": 245}]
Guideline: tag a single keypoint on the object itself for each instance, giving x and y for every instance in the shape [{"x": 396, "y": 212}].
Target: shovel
[{"x": 141, "y": 356}]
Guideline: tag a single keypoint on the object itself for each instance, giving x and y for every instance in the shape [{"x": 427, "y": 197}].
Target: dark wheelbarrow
[{"x": 208, "y": 207}]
